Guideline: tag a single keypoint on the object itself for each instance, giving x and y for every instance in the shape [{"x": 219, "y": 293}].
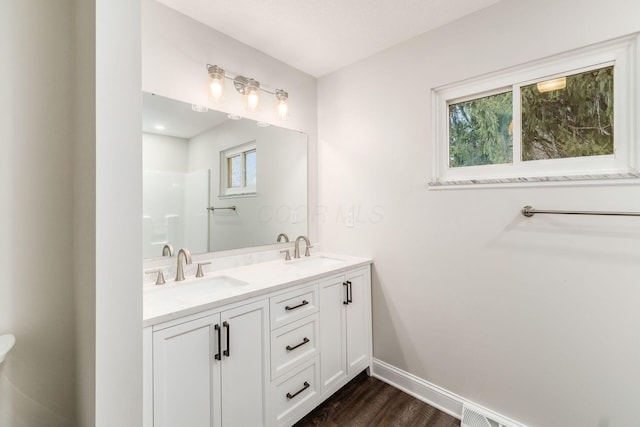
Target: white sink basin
[
  {"x": 310, "y": 263},
  {"x": 195, "y": 290},
  {"x": 6, "y": 344}
]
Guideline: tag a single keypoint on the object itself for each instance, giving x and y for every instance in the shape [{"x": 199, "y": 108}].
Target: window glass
[
  {"x": 481, "y": 131},
  {"x": 569, "y": 116},
  {"x": 250, "y": 160},
  {"x": 235, "y": 171}
]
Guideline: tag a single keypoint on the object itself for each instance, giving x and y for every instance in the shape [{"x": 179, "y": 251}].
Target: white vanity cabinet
[
  {"x": 345, "y": 328},
  {"x": 212, "y": 371},
  {"x": 264, "y": 360}
]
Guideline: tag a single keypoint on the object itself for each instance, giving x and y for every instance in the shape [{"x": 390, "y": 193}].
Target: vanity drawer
[
  {"x": 294, "y": 305},
  {"x": 294, "y": 344},
  {"x": 296, "y": 394}
]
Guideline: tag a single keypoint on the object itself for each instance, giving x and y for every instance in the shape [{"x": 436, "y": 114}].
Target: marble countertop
[{"x": 173, "y": 300}]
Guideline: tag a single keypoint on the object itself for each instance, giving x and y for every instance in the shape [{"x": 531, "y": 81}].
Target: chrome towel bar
[
  {"x": 233, "y": 208},
  {"x": 528, "y": 211}
]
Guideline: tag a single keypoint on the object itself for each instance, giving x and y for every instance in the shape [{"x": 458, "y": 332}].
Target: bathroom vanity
[
  {"x": 255, "y": 342},
  {"x": 257, "y": 345}
]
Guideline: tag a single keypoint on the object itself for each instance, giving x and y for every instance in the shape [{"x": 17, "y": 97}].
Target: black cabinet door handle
[
  {"x": 302, "y": 304},
  {"x": 304, "y": 341},
  {"x": 304, "y": 387},
  {"x": 350, "y": 292},
  {"x": 226, "y": 325},
  {"x": 346, "y": 289},
  {"x": 219, "y": 332}
]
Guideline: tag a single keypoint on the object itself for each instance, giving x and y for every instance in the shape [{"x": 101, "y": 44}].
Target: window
[
  {"x": 565, "y": 118},
  {"x": 570, "y": 116},
  {"x": 238, "y": 170},
  {"x": 480, "y": 131}
]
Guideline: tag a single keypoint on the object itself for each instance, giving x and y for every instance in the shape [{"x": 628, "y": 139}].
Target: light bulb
[
  {"x": 216, "y": 88},
  {"x": 216, "y": 82},
  {"x": 283, "y": 109},
  {"x": 252, "y": 94},
  {"x": 282, "y": 103},
  {"x": 253, "y": 100}
]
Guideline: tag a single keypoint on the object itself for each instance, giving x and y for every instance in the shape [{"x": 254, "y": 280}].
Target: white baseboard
[
  {"x": 435, "y": 396},
  {"x": 438, "y": 397}
]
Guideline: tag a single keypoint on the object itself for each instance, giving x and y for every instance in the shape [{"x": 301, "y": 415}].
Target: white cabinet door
[
  {"x": 198, "y": 383},
  {"x": 345, "y": 328},
  {"x": 358, "y": 321},
  {"x": 186, "y": 378},
  {"x": 245, "y": 364},
  {"x": 332, "y": 332}
]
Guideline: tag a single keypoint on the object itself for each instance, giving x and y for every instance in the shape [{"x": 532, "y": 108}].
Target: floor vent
[{"x": 476, "y": 417}]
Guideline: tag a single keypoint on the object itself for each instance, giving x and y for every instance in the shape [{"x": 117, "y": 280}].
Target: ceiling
[
  {"x": 321, "y": 36},
  {"x": 176, "y": 118}
]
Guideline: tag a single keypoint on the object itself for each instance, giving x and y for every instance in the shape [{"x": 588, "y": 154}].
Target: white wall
[
  {"x": 176, "y": 50},
  {"x": 534, "y": 318},
  {"x": 71, "y": 253},
  {"x": 164, "y": 153},
  {"x": 118, "y": 216},
  {"x": 37, "y": 382}
]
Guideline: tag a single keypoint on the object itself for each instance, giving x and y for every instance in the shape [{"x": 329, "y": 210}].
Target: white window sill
[
  {"x": 237, "y": 195},
  {"x": 570, "y": 180}
]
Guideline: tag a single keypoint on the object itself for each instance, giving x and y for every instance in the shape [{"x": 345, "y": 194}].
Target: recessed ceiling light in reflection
[
  {"x": 159, "y": 127},
  {"x": 263, "y": 124},
  {"x": 233, "y": 117},
  {"x": 199, "y": 108}
]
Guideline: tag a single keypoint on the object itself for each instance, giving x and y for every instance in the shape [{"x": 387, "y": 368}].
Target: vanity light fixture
[{"x": 248, "y": 87}]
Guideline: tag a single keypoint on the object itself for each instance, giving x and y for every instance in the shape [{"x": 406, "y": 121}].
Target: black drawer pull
[
  {"x": 302, "y": 304},
  {"x": 305, "y": 386},
  {"x": 304, "y": 341},
  {"x": 346, "y": 288},
  {"x": 219, "y": 332},
  {"x": 350, "y": 293},
  {"x": 227, "y": 351}
]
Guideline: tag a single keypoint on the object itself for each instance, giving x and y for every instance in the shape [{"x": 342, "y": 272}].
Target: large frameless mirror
[{"x": 214, "y": 182}]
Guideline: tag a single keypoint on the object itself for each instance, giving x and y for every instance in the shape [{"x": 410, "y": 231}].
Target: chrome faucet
[
  {"x": 167, "y": 250},
  {"x": 283, "y": 236},
  {"x": 182, "y": 253},
  {"x": 296, "y": 252}
]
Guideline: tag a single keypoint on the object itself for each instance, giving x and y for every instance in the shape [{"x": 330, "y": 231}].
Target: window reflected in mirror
[{"x": 238, "y": 165}]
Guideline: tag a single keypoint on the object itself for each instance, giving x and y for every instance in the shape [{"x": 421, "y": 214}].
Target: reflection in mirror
[{"x": 211, "y": 183}]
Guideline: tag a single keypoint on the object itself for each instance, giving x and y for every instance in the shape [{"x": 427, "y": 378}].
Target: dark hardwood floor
[{"x": 368, "y": 402}]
